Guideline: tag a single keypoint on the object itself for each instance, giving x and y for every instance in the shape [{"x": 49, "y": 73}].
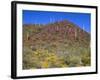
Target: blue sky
[{"x": 45, "y": 17}]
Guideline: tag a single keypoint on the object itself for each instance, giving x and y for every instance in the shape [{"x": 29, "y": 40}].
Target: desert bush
[
  {"x": 86, "y": 56},
  {"x": 42, "y": 59},
  {"x": 72, "y": 60}
]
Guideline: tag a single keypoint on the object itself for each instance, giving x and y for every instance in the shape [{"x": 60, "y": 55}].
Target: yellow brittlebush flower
[{"x": 45, "y": 64}]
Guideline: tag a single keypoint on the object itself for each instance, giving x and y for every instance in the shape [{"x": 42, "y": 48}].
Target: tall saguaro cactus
[
  {"x": 27, "y": 35},
  {"x": 76, "y": 33}
]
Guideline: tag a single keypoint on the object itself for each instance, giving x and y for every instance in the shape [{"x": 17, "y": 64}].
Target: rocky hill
[{"x": 62, "y": 38}]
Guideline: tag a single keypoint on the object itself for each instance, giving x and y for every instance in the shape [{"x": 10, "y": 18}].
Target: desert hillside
[{"x": 58, "y": 44}]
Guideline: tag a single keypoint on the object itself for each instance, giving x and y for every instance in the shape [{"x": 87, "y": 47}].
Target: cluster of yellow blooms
[
  {"x": 42, "y": 58},
  {"x": 48, "y": 59}
]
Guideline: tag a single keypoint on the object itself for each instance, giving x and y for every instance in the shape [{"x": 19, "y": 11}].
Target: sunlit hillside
[{"x": 55, "y": 45}]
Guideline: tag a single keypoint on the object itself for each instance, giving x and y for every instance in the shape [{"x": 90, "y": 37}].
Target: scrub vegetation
[{"x": 55, "y": 45}]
